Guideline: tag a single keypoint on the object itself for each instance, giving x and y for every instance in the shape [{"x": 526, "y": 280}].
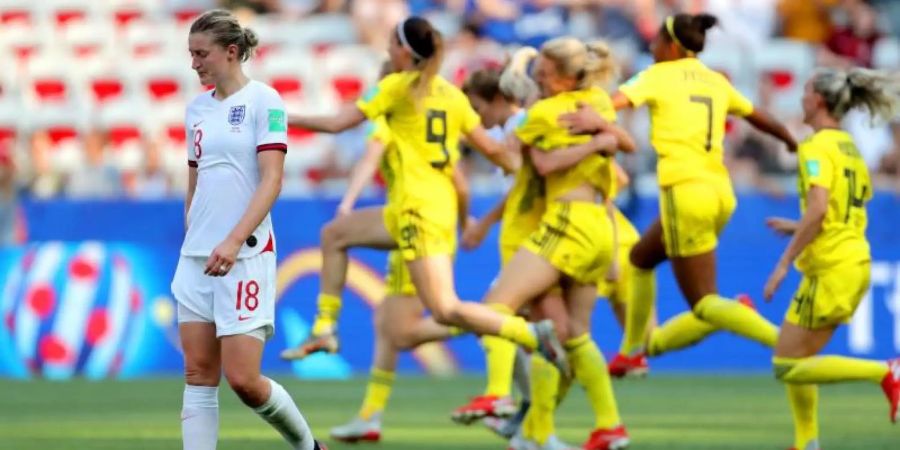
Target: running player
[
  {"x": 225, "y": 279},
  {"x": 427, "y": 116},
  {"x": 689, "y": 104},
  {"x": 829, "y": 247}
]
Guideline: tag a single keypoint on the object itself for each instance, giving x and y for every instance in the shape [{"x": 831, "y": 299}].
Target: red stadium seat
[
  {"x": 50, "y": 89},
  {"x": 8, "y": 16},
  {"x": 350, "y": 70},
  {"x": 287, "y": 86},
  {"x": 786, "y": 64},
  {"x": 61, "y": 133},
  {"x": 122, "y": 134},
  {"x": 107, "y": 88}
]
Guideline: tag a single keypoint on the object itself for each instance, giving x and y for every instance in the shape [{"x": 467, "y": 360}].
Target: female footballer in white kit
[{"x": 225, "y": 280}]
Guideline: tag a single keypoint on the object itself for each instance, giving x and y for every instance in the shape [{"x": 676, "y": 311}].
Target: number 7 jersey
[
  {"x": 689, "y": 104},
  {"x": 829, "y": 159}
]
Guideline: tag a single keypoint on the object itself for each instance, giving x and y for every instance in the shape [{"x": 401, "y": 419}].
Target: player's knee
[
  {"x": 202, "y": 372},
  {"x": 248, "y": 386},
  {"x": 332, "y": 234}
]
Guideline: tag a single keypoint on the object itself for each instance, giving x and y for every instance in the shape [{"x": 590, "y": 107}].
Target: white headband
[{"x": 402, "y": 35}]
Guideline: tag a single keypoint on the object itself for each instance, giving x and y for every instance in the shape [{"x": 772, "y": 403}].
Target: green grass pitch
[{"x": 677, "y": 412}]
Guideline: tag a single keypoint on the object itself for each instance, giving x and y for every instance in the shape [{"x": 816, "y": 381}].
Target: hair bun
[{"x": 704, "y": 21}]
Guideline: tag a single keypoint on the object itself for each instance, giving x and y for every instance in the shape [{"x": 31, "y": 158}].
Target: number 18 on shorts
[{"x": 241, "y": 302}]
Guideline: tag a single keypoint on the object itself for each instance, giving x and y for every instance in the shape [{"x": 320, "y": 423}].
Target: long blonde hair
[
  {"x": 874, "y": 90},
  {"x": 592, "y": 63}
]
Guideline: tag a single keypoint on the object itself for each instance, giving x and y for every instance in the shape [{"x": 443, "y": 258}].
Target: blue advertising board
[{"x": 89, "y": 296}]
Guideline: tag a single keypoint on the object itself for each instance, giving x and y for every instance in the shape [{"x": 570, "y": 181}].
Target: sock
[
  {"x": 522, "y": 374},
  {"x": 329, "y": 308},
  {"x": 500, "y": 357},
  {"x": 828, "y": 369},
  {"x": 804, "y": 400},
  {"x": 377, "y": 393},
  {"x": 200, "y": 417},
  {"x": 544, "y": 385},
  {"x": 281, "y": 412},
  {"x": 678, "y": 332},
  {"x": 640, "y": 306},
  {"x": 516, "y": 329},
  {"x": 734, "y": 317},
  {"x": 591, "y": 371}
]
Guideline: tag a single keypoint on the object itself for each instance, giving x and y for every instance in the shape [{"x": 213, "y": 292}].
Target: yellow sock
[
  {"x": 591, "y": 371},
  {"x": 678, "y": 332},
  {"x": 641, "y": 299},
  {"x": 828, "y": 369},
  {"x": 329, "y": 308},
  {"x": 544, "y": 385},
  {"x": 734, "y": 317},
  {"x": 377, "y": 393},
  {"x": 500, "y": 359},
  {"x": 804, "y": 400},
  {"x": 516, "y": 329}
]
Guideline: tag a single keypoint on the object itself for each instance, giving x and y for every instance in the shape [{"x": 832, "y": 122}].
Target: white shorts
[{"x": 238, "y": 303}]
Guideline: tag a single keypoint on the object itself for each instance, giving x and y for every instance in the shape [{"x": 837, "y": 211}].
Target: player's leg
[
  {"x": 361, "y": 228},
  {"x": 693, "y": 215},
  {"x": 244, "y": 311},
  {"x": 589, "y": 367},
  {"x": 202, "y": 363}
]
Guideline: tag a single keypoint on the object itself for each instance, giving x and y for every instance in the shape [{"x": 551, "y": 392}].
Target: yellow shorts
[
  {"x": 693, "y": 214},
  {"x": 830, "y": 297},
  {"x": 576, "y": 238},
  {"x": 422, "y": 230},
  {"x": 397, "y": 280}
]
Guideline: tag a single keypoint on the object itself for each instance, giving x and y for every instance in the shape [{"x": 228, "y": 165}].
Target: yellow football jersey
[
  {"x": 426, "y": 132},
  {"x": 379, "y": 131},
  {"x": 689, "y": 104},
  {"x": 524, "y": 207},
  {"x": 541, "y": 129},
  {"x": 831, "y": 160}
]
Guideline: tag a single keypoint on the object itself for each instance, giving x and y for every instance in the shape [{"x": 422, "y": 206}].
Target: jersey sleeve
[
  {"x": 738, "y": 104},
  {"x": 817, "y": 167},
  {"x": 381, "y": 98},
  {"x": 533, "y": 126},
  {"x": 641, "y": 88},
  {"x": 470, "y": 119},
  {"x": 271, "y": 123},
  {"x": 190, "y": 139},
  {"x": 379, "y": 131}
]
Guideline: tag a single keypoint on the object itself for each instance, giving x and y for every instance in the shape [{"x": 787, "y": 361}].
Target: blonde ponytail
[
  {"x": 514, "y": 81},
  {"x": 874, "y": 90},
  {"x": 601, "y": 67}
]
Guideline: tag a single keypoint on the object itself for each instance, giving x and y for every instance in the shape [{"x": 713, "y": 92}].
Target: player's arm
[
  {"x": 621, "y": 101},
  {"x": 764, "y": 122},
  {"x": 463, "y": 196},
  {"x": 475, "y": 233},
  {"x": 586, "y": 120},
  {"x": 189, "y": 197},
  {"x": 808, "y": 228},
  {"x": 497, "y": 152},
  {"x": 546, "y": 163},
  {"x": 348, "y": 117},
  {"x": 362, "y": 174}
]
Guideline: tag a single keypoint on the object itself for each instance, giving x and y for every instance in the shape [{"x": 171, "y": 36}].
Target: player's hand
[
  {"x": 474, "y": 233},
  {"x": 782, "y": 226},
  {"x": 775, "y": 280},
  {"x": 222, "y": 258},
  {"x": 584, "y": 120},
  {"x": 606, "y": 144},
  {"x": 343, "y": 210}
]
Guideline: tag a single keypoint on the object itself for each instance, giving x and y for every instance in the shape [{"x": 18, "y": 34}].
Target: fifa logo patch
[{"x": 236, "y": 114}]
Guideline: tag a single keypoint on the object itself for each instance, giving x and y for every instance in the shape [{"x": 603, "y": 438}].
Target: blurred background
[{"x": 93, "y": 172}]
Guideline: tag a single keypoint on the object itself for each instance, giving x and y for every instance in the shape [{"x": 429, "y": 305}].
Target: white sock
[
  {"x": 200, "y": 417},
  {"x": 521, "y": 373},
  {"x": 282, "y": 413}
]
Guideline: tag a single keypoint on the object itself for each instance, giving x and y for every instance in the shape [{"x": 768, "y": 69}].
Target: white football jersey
[
  {"x": 500, "y": 134},
  {"x": 224, "y": 138}
]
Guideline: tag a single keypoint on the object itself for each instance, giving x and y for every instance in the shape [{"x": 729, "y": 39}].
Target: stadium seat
[
  {"x": 886, "y": 54},
  {"x": 123, "y": 127},
  {"x": 88, "y": 38},
  {"x": 161, "y": 78},
  {"x": 349, "y": 70},
  {"x": 18, "y": 11},
  {"x": 124, "y": 13},
  {"x": 787, "y": 64},
  {"x": 147, "y": 38},
  {"x": 294, "y": 74},
  {"x": 48, "y": 79},
  {"x": 21, "y": 41},
  {"x": 65, "y": 126}
]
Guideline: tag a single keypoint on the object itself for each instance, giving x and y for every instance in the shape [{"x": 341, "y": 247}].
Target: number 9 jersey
[
  {"x": 425, "y": 136},
  {"x": 829, "y": 159}
]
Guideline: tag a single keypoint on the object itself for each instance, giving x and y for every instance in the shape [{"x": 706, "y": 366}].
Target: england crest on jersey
[{"x": 236, "y": 114}]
